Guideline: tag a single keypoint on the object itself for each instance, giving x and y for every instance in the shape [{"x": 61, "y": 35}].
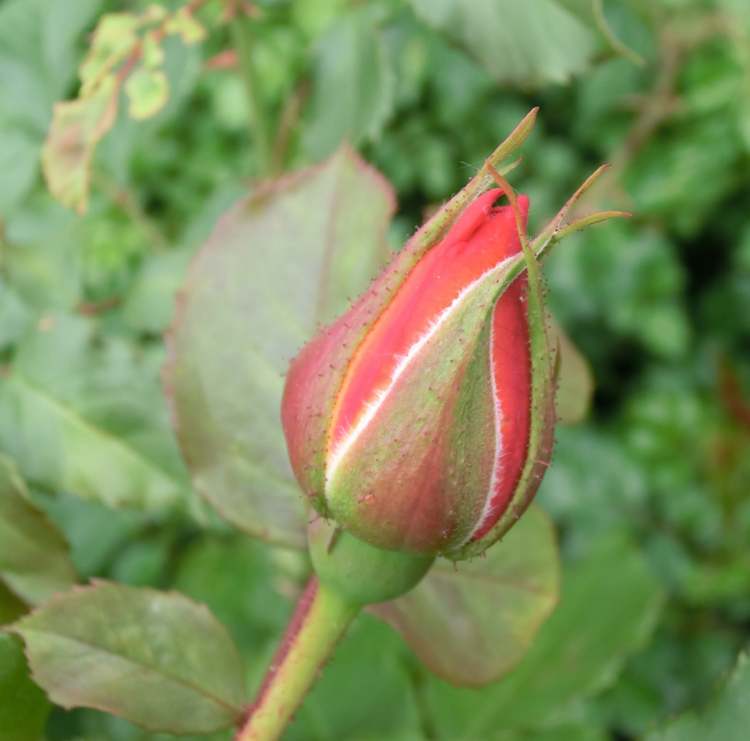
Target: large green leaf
[
  {"x": 610, "y": 602},
  {"x": 353, "y": 85},
  {"x": 84, "y": 413},
  {"x": 34, "y": 558},
  {"x": 727, "y": 718},
  {"x": 23, "y": 706},
  {"x": 280, "y": 263},
  {"x": 520, "y": 43},
  {"x": 157, "y": 659},
  {"x": 41, "y": 263},
  {"x": 472, "y": 621}
]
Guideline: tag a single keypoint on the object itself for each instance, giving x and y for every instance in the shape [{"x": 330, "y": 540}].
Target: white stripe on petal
[{"x": 372, "y": 406}]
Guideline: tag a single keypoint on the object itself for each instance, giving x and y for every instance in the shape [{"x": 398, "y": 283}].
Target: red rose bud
[
  {"x": 422, "y": 419},
  {"x": 409, "y": 420}
]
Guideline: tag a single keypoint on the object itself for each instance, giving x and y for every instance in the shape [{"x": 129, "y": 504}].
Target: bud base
[{"x": 358, "y": 571}]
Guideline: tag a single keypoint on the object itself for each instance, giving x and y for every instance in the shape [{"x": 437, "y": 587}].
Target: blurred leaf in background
[
  {"x": 34, "y": 559},
  {"x": 75, "y": 415},
  {"x": 39, "y": 51}
]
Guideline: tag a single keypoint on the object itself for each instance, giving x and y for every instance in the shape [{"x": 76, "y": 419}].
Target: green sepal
[
  {"x": 543, "y": 415},
  {"x": 359, "y": 572}
]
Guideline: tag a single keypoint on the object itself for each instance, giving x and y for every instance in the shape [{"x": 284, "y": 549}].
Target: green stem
[
  {"x": 242, "y": 36},
  {"x": 321, "y": 618}
]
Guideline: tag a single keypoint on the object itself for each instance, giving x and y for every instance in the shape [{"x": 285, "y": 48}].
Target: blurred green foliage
[{"x": 659, "y": 305}]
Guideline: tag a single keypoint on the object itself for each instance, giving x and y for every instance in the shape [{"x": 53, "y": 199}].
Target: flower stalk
[
  {"x": 320, "y": 620},
  {"x": 349, "y": 574}
]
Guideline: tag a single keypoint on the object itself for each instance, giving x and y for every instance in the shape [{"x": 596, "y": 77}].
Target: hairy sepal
[{"x": 543, "y": 417}]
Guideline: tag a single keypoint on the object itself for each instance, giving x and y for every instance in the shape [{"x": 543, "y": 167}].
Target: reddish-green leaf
[
  {"x": 157, "y": 659},
  {"x": 472, "y": 621},
  {"x": 609, "y": 605},
  {"x": 280, "y": 262}
]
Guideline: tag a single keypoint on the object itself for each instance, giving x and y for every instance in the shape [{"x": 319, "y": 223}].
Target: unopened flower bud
[{"x": 408, "y": 420}]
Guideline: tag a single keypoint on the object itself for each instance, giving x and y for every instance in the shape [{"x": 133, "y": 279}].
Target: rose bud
[{"x": 422, "y": 419}]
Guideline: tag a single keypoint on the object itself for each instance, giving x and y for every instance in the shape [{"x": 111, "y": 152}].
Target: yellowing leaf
[
  {"x": 113, "y": 40},
  {"x": 186, "y": 26},
  {"x": 147, "y": 91},
  {"x": 153, "y": 13},
  {"x": 152, "y": 51},
  {"x": 77, "y": 126}
]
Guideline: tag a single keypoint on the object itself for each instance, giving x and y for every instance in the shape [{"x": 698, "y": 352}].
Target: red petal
[
  {"x": 511, "y": 370},
  {"x": 481, "y": 238}
]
